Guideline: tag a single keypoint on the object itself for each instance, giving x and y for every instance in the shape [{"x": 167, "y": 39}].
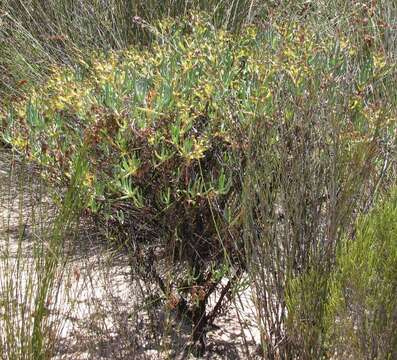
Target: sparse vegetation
[{"x": 213, "y": 149}]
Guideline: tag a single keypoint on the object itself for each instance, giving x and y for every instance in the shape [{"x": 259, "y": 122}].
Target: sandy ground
[{"x": 95, "y": 310}]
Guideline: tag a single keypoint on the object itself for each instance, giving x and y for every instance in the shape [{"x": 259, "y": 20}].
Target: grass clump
[{"x": 32, "y": 257}]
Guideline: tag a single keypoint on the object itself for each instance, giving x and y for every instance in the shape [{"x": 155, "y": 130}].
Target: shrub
[
  {"x": 164, "y": 138},
  {"x": 363, "y": 303},
  {"x": 34, "y": 36},
  {"x": 317, "y": 152},
  {"x": 172, "y": 131}
]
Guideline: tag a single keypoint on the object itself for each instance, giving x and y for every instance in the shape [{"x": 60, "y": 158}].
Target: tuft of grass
[{"x": 32, "y": 256}]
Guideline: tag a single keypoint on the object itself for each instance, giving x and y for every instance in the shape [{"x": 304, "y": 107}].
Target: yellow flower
[
  {"x": 379, "y": 61},
  {"x": 19, "y": 142},
  {"x": 89, "y": 179}
]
